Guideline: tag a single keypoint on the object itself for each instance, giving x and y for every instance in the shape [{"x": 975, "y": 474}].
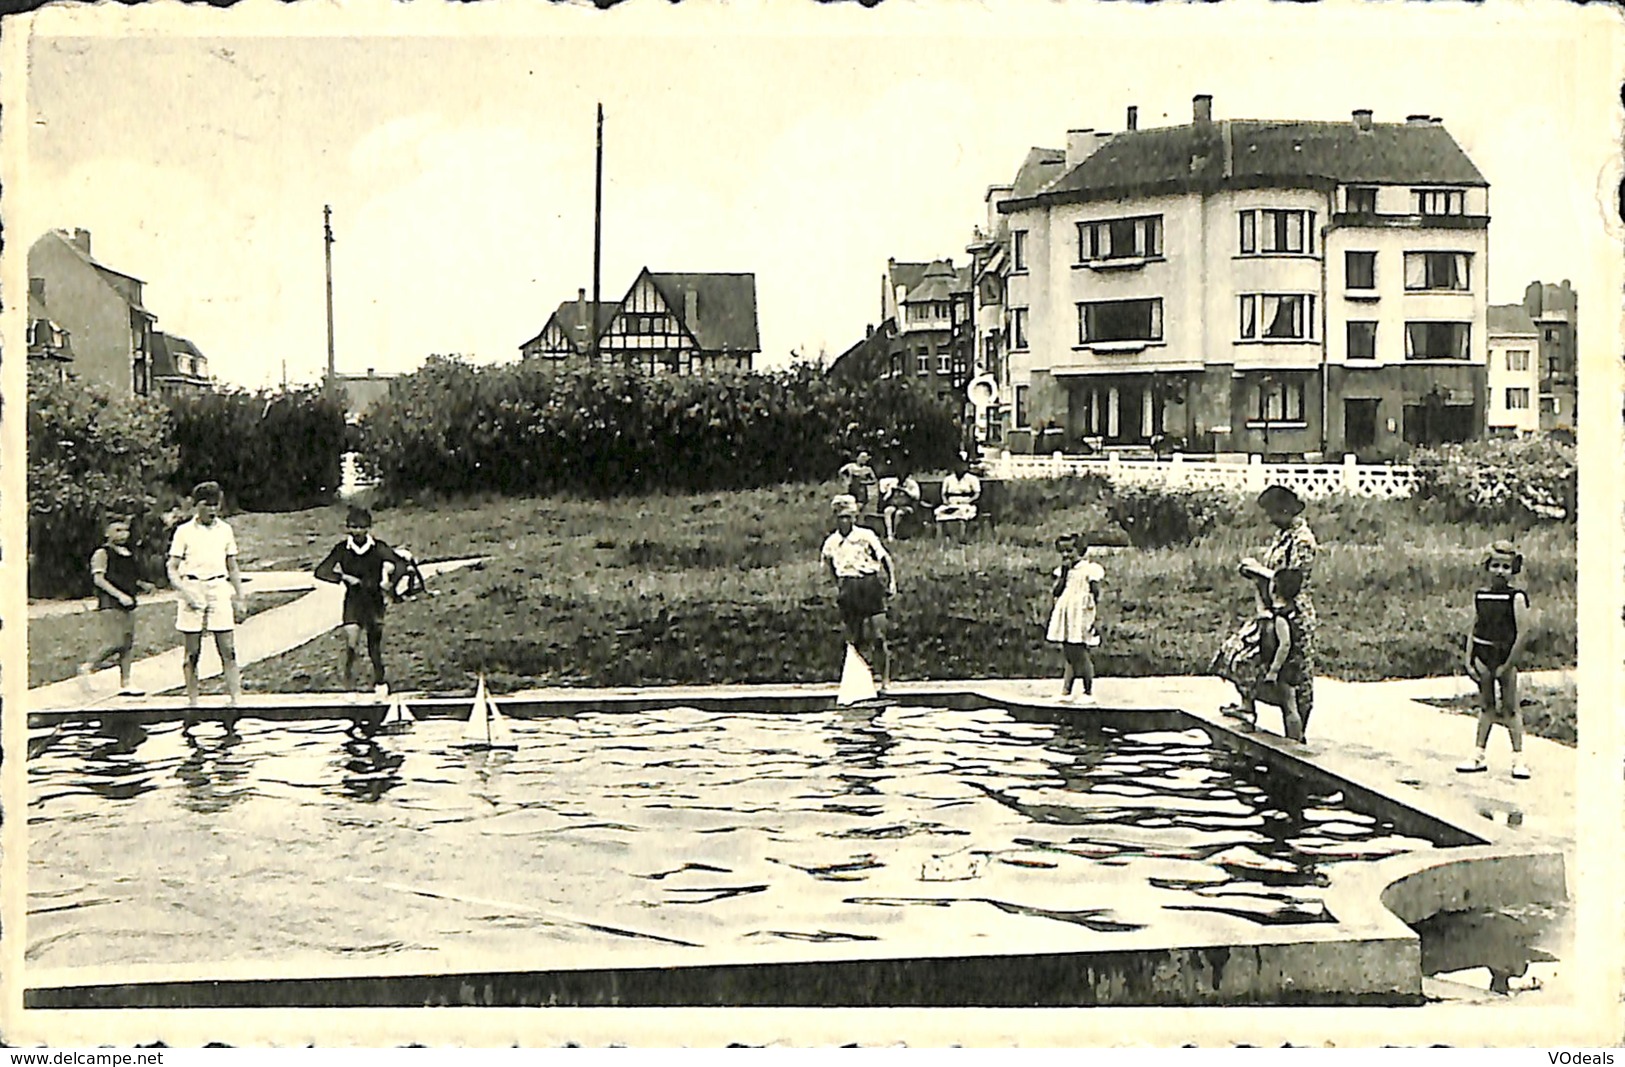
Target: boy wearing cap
[
  {"x": 862, "y": 569},
  {"x": 358, "y": 563},
  {"x": 1499, "y": 631},
  {"x": 203, "y": 571}
]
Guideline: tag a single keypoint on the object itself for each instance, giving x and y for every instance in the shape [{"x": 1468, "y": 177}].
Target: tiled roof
[
  {"x": 165, "y": 347},
  {"x": 908, "y": 275},
  {"x": 940, "y": 282},
  {"x": 725, "y": 308},
  {"x": 1510, "y": 319},
  {"x": 1246, "y": 153},
  {"x": 567, "y": 315},
  {"x": 1042, "y": 166}
]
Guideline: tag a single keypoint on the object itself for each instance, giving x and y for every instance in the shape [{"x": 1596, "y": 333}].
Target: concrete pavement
[{"x": 253, "y": 582}]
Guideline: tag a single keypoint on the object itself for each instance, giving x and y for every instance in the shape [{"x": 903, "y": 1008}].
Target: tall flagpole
[
  {"x": 327, "y": 248},
  {"x": 597, "y": 238}
]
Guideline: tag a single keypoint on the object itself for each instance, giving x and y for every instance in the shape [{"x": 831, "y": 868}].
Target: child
[
  {"x": 116, "y": 576},
  {"x": 1499, "y": 631},
  {"x": 358, "y": 562},
  {"x": 864, "y": 580},
  {"x": 1072, "y": 620},
  {"x": 203, "y": 570},
  {"x": 1283, "y": 651}
]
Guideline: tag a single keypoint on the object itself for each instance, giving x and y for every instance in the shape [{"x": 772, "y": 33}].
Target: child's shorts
[
  {"x": 1490, "y": 654},
  {"x": 216, "y": 615},
  {"x": 861, "y": 598}
]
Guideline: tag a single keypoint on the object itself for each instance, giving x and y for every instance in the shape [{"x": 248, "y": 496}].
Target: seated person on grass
[{"x": 960, "y": 492}]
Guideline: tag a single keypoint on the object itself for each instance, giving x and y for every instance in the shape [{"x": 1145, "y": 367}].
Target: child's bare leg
[
  {"x": 878, "y": 624},
  {"x": 1487, "y": 710},
  {"x": 352, "y": 648},
  {"x": 225, "y": 641},
  {"x": 194, "y": 649},
  {"x": 1512, "y": 710},
  {"x": 1086, "y": 670},
  {"x": 1068, "y": 675},
  {"x": 1291, "y": 721}
]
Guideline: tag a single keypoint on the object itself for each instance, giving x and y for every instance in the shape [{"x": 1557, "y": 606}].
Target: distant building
[
  {"x": 362, "y": 391},
  {"x": 98, "y": 306},
  {"x": 566, "y": 334},
  {"x": 1285, "y": 287},
  {"x": 696, "y": 323},
  {"x": 1554, "y": 309},
  {"x": 177, "y": 366},
  {"x": 929, "y": 307},
  {"x": 1514, "y": 372},
  {"x": 868, "y": 359},
  {"x": 50, "y": 350},
  {"x": 684, "y": 324}
]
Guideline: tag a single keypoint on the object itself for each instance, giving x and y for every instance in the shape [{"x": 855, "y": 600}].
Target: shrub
[
  {"x": 1158, "y": 517},
  {"x": 91, "y": 454},
  {"x": 530, "y": 428},
  {"x": 270, "y": 451},
  {"x": 1520, "y": 480},
  {"x": 1035, "y": 499}
]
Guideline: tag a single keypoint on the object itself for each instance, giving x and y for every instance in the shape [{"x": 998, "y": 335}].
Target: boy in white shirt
[
  {"x": 203, "y": 570},
  {"x": 862, "y": 569}
]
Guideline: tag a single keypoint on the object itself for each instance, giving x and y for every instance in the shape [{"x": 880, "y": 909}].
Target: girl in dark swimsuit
[{"x": 1499, "y": 632}]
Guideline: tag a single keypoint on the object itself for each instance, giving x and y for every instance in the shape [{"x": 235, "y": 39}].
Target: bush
[
  {"x": 530, "y": 428},
  {"x": 92, "y": 454},
  {"x": 1519, "y": 480},
  {"x": 270, "y": 451},
  {"x": 1159, "y": 517},
  {"x": 1035, "y": 499}
]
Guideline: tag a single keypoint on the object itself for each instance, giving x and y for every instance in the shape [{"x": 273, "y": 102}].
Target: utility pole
[
  {"x": 327, "y": 249},
  {"x": 597, "y": 238}
]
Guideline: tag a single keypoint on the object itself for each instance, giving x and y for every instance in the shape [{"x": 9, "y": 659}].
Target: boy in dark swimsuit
[
  {"x": 117, "y": 578},
  {"x": 1493, "y": 649},
  {"x": 358, "y": 562}
]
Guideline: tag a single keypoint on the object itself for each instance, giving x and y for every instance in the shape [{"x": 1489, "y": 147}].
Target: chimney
[
  {"x": 1436, "y": 120},
  {"x": 1202, "y": 108},
  {"x": 36, "y": 287},
  {"x": 1362, "y": 120},
  {"x": 1418, "y": 120},
  {"x": 1133, "y": 122},
  {"x": 371, "y": 373},
  {"x": 996, "y": 195},
  {"x": 691, "y": 307},
  {"x": 869, "y": 331},
  {"x": 1079, "y": 145},
  {"x": 81, "y": 240},
  {"x": 583, "y": 325}
]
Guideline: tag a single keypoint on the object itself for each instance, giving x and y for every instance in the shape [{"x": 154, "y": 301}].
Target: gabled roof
[
  {"x": 102, "y": 268},
  {"x": 1510, "y": 319},
  {"x": 1247, "y": 153},
  {"x": 725, "y": 308},
  {"x": 908, "y": 275},
  {"x": 567, "y": 316}
]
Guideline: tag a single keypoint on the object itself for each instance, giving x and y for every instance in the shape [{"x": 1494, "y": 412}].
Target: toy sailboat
[
  {"x": 485, "y": 727},
  {"x": 857, "y": 681},
  {"x": 398, "y": 719}
]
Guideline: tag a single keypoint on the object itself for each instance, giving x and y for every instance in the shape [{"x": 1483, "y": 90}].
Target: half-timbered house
[{"x": 684, "y": 324}]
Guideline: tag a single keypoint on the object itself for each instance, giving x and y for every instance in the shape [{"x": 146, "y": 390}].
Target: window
[
  {"x": 1518, "y": 359},
  {"x": 1362, "y": 200},
  {"x": 922, "y": 362},
  {"x": 1439, "y": 201},
  {"x": 1133, "y": 238},
  {"x": 896, "y": 364},
  {"x": 1360, "y": 270},
  {"x": 1518, "y": 399},
  {"x": 1548, "y": 405},
  {"x": 1272, "y": 317},
  {"x": 1018, "y": 327},
  {"x": 1018, "y": 250},
  {"x": 1271, "y": 232},
  {"x": 945, "y": 362},
  {"x": 1551, "y": 335},
  {"x": 1437, "y": 340},
  {"x": 1436, "y": 270},
  {"x": 1279, "y": 401},
  {"x": 1021, "y": 405},
  {"x": 1362, "y": 340},
  {"x": 1119, "y": 320}
]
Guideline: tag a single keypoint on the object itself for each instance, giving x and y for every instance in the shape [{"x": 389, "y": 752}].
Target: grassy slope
[{"x": 725, "y": 588}]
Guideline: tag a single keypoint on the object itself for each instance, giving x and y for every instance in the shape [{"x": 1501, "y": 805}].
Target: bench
[{"x": 988, "y": 506}]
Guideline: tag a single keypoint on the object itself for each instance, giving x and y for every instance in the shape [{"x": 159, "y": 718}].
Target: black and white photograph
[{"x": 941, "y": 507}]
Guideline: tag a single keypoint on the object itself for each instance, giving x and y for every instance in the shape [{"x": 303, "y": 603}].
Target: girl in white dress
[{"x": 1072, "y": 621}]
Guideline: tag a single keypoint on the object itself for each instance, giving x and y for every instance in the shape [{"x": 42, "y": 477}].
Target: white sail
[
  {"x": 398, "y": 719},
  {"x": 485, "y": 727},
  {"x": 857, "y": 681}
]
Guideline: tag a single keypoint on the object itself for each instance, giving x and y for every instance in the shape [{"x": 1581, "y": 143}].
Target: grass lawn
[
  {"x": 58, "y": 644},
  {"x": 725, "y": 587},
  {"x": 1548, "y": 711}
]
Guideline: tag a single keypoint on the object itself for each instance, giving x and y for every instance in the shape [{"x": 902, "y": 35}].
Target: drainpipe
[{"x": 1325, "y": 317}]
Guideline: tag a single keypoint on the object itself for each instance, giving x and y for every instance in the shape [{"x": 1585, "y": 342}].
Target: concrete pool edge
[{"x": 1371, "y": 956}]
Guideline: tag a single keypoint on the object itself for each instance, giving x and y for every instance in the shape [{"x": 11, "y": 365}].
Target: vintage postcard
[{"x": 941, "y": 523}]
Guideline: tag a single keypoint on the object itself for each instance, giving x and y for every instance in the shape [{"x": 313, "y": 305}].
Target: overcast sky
[{"x": 460, "y": 168}]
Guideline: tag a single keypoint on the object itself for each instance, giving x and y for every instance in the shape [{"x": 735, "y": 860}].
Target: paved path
[
  {"x": 269, "y": 633},
  {"x": 253, "y": 582}
]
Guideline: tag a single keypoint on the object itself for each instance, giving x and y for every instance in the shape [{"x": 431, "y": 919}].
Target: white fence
[{"x": 1308, "y": 480}]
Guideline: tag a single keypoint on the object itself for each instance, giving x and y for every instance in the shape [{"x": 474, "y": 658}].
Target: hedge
[
  {"x": 92, "y": 454},
  {"x": 270, "y": 451},
  {"x": 530, "y": 428},
  {"x": 1523, "y": 480}
]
